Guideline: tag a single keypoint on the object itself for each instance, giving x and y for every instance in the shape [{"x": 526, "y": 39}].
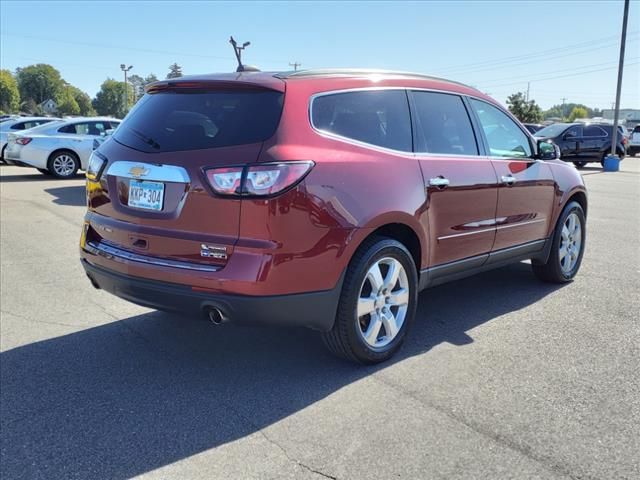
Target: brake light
[
  {"x": 258, "y": 180},
  {"x": 23, "y": 140},
  {"x": 225, "y": 181}
]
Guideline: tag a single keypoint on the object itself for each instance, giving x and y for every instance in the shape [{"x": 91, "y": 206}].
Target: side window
[
  {"x": 96, "y": 128},
  {"x": 67, "y": 129},
  {"x": 594, "y": 131},
  {"x": 443, "y": 124},
  {"x": 18, "y": 126},
  {"x": 377, "y": 117},
  {"x": 81, "y": 128},
  {"x": 573, "y": 132},
  {"x": 503, "y": 135}
]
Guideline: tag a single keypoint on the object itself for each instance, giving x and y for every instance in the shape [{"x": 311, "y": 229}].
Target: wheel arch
[
  {"x": 401, "y": 232},
  {"x": 61, "y": 150},
  {"x": 580, "y": 197}
]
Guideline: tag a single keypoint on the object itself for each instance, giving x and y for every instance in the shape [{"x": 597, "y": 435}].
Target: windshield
[
  {"x": 552, "y": 130},
  {"x": 170, "y": 121}
]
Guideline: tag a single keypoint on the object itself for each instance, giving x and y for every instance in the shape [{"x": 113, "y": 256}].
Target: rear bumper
[{"x": 315, "y": 310}]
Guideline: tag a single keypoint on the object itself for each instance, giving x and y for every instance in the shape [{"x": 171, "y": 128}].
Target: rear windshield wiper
[{"x": 148, "y": 140}]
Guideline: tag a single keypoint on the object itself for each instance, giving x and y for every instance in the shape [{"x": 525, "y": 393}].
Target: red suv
[{"x": 326, "y": 199}]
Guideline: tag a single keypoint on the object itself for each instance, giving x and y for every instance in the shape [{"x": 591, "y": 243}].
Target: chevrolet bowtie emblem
[{"x": 138, "y": 172}]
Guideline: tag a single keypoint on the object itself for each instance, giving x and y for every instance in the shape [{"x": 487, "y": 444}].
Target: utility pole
[
  {"x": 623, "y": 41},
  {"x": 528, "y": 86},
  {"x": 124, "y": 68},
  {"x": 295, "y": 65},
  {"x": 564, "y": 114}
]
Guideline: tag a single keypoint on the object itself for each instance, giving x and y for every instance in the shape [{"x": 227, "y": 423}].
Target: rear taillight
[
  {"x": 264, "y": 179},
  {"x": 23, "y": 140}
]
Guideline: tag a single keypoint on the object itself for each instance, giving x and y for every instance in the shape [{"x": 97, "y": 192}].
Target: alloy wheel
[
  {"x": 570, "y": 243},
  {"x": 64, "y": 165},
  {"x": 383, "y": 302}
]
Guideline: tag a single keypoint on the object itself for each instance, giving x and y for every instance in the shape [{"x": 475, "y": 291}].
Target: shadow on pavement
[
  {"x": 72, "y": 195},
  {"x": 134, "y": 395},
  {"x": 32, "y": 177}
]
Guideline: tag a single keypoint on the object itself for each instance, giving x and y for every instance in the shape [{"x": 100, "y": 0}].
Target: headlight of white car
[{"x": 97, "y": 163}]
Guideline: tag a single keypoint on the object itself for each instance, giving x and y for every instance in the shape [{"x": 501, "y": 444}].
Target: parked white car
[
  {"x": 633, "y": 147},
  {"x": 61, "y": 148},
  {"x": 16, "y": 125}
]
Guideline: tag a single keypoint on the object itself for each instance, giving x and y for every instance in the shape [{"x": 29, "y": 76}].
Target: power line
[
  {"x": 562, "y": 76},
  {"x": 527, "y": 61},
  {"x": 571, "y": 69},
  {"x": 531, "y": 55},
  {"x": 127, "y": 48}
]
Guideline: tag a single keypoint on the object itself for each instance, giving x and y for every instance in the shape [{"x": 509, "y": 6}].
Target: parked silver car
[
  {"x": 60, "y": 148},
  {"x": 17, "y": 125}
]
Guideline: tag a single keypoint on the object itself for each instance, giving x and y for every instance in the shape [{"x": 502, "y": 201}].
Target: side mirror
[
  {"x": 107, "y": 132},
  {"x": 547, "y": 150}
]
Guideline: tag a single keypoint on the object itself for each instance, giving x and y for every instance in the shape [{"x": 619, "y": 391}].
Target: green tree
[
  {"x": 110, "y": 99},
  {"x": 525, "y": 111},
  {"x": 563, "y": 111},
  {"x": 83, "y": 100},
  {"x": 29, "y": 106},
  {"x": 578, "y": 112},
  {"x": 67, "y": 104},
  {"x": 39, "y": 82},
  {"x": 138, "y": 83},
  {"x": 175, "y": 71},
  {"x": 9, "y": 93}
]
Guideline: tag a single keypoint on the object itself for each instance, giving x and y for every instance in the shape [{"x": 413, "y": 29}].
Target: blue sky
[{"x": 564, "y": 48}]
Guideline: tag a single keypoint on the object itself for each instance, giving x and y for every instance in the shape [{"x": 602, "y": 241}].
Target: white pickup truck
[{"x": 634, "y": 142}]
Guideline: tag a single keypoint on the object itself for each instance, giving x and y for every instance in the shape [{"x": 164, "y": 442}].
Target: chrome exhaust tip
[{"x": 215, "y": 316}]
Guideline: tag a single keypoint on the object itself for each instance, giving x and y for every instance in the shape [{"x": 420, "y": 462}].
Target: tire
[
  {"x": 579, "y": 164},
  {"x": 559, "y": 268},
  {"x": 63, "y": 164},
  {"x": 44, "y": 171},
  {"x": 347, "y": 337}
]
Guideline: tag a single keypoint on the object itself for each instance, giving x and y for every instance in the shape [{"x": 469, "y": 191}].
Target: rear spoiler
[{"x": 272, "y": 83}]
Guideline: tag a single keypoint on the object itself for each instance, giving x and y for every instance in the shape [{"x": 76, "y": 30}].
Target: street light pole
[
  {"x": 616, "y": 112},
  {"x": 125, "y": 69}
]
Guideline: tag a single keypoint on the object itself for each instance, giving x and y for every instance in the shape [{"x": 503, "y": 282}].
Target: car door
[
  {"x": 461, "y": 184},
  {"x": 570, "y": 142},
  {"x": 594, "y": 139},
  {"x": 526, "y": 186}
]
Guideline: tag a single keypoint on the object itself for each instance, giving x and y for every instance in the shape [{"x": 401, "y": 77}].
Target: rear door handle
[
  {"x": 508, "y": 179},
  {"x": 439, "y": 182}
]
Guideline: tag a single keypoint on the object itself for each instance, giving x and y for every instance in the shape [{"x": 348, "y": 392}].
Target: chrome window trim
[
  {"x": 108, "y": 251},
  {"x": 358, "y": 143},
  {"x": 499, "y": 227},
  {"x": 156, "y": 172}
]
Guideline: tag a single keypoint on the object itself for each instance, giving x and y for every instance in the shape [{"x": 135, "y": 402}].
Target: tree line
[
  {"x": 527, "y": 111},
  {"x": 27, "y": 89}
]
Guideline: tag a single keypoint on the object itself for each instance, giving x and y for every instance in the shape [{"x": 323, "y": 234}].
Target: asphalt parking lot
[{"x": 502, "y": 377}]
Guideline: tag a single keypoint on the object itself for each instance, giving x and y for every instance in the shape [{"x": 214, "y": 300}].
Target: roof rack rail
[{"x": 349, "y": 72}]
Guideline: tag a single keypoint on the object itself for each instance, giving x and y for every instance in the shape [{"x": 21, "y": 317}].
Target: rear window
[
  {"x": 172, "y": 121},
  {"x": 377, "y": 117}
]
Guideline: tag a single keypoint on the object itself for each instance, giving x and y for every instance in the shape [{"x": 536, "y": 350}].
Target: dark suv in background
[{"x": 583, "y": 143}]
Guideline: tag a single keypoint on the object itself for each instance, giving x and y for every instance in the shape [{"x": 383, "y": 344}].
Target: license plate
[{"x": 145, "y": 194}]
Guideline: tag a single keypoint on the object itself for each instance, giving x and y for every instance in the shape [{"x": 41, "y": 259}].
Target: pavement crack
[
  {"x": 29, "y": 319},
  {"x": 278, "y": 445},
  {"x": 524, "y": 450}
]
